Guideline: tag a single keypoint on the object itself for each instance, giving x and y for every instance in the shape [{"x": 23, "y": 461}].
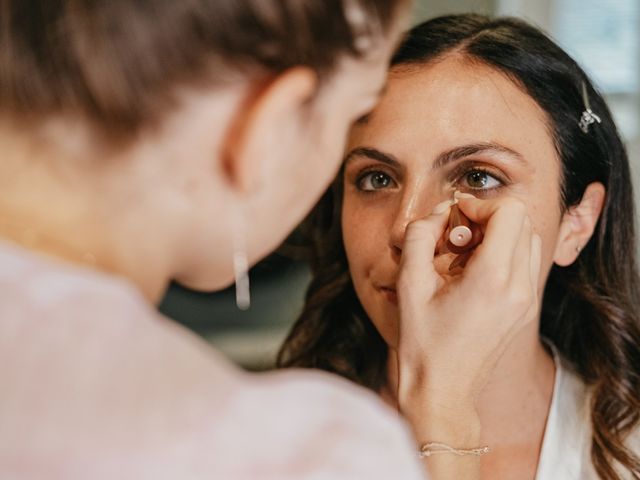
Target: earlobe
[
  {"x": 578, "y": 225},
  {"x": 263, "y": 126}
]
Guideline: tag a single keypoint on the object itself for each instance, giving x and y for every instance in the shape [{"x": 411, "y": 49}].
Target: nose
[{"x": 415, "y": 204}]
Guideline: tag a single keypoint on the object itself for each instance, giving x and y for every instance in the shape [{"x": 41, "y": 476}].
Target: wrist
[
  {"x": 442, "y": 421},
  {"x": 421, "y": 390}
]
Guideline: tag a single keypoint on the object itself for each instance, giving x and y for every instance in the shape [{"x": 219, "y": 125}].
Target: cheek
[
  {"x": 548, "y": 227},
  {"x": 355, "y": 235},
  {"x": 301, "y": 181},
  {"x": 363, "y": 241},
  {"x": 367, "y": 223}
]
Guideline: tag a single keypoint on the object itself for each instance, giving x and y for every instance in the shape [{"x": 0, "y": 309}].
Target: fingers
[
  {"x": 417, "y": 273},
  {"x": 509, "y": 259},
  {"x": 523, "y": 284},
  {"x": 521, "y": 260},
  {"x": 536, "y": 263},
  {"x": 504, "y": 219}
]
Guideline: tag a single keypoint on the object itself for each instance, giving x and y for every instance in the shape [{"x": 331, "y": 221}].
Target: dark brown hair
[
  {"x": 589, "y": 310},
  {"x": 117, "y": 62}
]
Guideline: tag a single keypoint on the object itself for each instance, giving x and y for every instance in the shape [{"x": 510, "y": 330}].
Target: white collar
[{"x": 565, "y": 448}]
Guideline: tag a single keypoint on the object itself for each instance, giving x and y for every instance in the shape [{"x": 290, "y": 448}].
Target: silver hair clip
[{"x": 588, "y": 117}]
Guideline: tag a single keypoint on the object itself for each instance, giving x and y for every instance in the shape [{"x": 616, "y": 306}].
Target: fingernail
[
  {"x": 458, "y": 194},
  {"x": 442, "y": 207}
]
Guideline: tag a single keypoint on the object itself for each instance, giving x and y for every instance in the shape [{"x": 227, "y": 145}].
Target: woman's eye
[
  {"x": 480, "y": 180},
  {"x": 375, "y": 181}
]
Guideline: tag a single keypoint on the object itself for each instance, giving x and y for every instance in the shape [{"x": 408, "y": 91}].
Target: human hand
[{"x": 453, "y": 329}]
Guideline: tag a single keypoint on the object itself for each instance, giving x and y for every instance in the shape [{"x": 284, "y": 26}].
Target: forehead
[{"x": 453, "y": 101}]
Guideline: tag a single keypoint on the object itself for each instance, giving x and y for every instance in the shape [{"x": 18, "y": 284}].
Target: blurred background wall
[{"x": 603, "y": 35}]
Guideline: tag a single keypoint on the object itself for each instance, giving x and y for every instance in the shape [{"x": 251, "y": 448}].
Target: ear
[
  {"x": 578, "y": 224},
  {"x": 265, "y": 125}
]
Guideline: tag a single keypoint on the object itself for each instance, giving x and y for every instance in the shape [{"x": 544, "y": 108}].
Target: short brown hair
[{"x": 117, "y": 61}]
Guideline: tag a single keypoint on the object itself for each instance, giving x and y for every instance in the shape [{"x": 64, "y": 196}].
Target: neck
[
  {"x": 75, "y": 243},
  {"x": 80, "y": 218},
  {"x": 514, "y": 405}
]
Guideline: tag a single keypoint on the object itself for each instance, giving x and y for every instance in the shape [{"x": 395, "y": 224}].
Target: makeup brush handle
[{"x": 459, "y": 234}]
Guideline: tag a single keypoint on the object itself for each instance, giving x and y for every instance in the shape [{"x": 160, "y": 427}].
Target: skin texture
[{"x": 469, "y": 334}]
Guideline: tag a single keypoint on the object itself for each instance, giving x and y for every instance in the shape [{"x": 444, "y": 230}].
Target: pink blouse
[{"x": 95, "y": 384}]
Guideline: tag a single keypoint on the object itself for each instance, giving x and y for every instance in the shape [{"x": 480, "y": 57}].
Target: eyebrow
[
  {"x": 473, "y": 149},
  {"x": 373, "y": 154},
  {"x": 444, "y": 158}
]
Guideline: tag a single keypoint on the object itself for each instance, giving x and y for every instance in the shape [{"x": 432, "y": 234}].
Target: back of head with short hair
[{"x": 117, "y": 62}]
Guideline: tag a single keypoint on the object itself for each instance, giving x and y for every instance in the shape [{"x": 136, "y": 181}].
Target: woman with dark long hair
[{"x": 494, "y": 109}]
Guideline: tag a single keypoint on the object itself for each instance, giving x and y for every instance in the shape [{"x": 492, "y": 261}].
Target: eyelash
[
  {"x": 459, "y": 174},
  {"x": 465, "y": 171},
  {"x": 370, "y": 173}
]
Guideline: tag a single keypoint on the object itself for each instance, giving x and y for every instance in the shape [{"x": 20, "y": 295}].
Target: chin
[
  {"x": 208, "y": 283},
  {"x": 386, "y": 325},
  {"x": 390, "y": 335}
]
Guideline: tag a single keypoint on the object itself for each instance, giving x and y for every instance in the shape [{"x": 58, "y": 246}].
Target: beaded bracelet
[{"x": 434, "y": 448}]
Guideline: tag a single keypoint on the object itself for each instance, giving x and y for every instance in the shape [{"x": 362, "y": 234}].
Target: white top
[
  {"x": 95, "y": 384},
  {"x": 565, "y": 453}
]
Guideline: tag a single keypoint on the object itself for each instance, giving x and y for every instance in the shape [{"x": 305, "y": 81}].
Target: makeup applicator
[{"x": 461, "y": 236}]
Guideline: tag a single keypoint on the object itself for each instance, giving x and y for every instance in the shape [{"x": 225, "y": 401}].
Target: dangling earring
[{"x": 241, "y": 262}]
